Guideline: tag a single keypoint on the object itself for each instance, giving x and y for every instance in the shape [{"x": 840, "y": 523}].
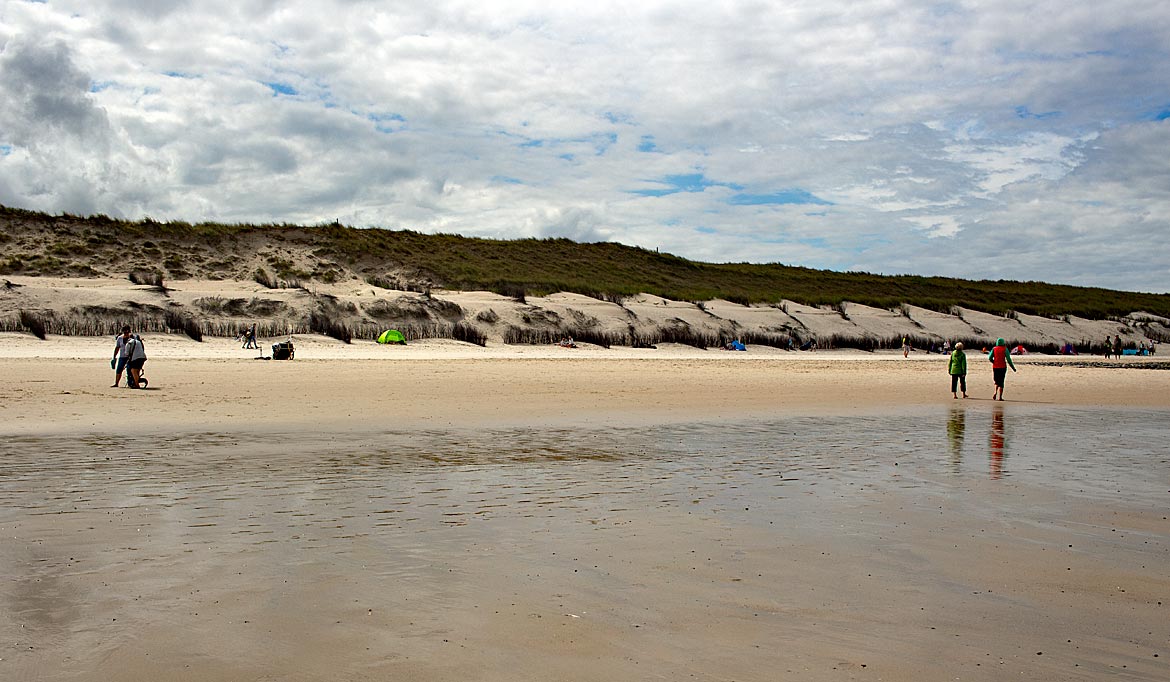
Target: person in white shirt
[
  {"x": 118, "y": 362},
  {"x": 136, "y": 352}
]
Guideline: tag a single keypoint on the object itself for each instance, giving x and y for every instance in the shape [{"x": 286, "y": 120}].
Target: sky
[{"x": 980, "y": 139}]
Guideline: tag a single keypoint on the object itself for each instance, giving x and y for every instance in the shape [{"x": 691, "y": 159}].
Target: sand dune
[{"x": 221, "y": 307}]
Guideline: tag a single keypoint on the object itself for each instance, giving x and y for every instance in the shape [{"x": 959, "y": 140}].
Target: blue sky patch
[
  {"x": 601, "y": 143},
  {"x": 5, "y": 149},
  {"x": 1158, "y": 114},
  {"x": 281, "y": 89},
  {"x": 706, "y": 230},
  {"x": 647, "y": 144},
  {"x": 784, "y": 196},
  {"x": 384, "y": 123},
  {"x": 1049, "y": 57},
  {"x": 605, "y": 143},
  {"x": 1024, "y": 112},
  {"x": 504, "y": 179},
  {"x": 688, "y": 182}
]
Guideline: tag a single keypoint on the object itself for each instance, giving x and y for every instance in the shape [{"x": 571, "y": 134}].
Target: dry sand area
[
  {"x": 62, "y": 384},
  {"x": 449, "y": 512}
]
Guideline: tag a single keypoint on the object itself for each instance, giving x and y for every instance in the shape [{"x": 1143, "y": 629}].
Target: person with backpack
[{"x": 1000, "y": 361}]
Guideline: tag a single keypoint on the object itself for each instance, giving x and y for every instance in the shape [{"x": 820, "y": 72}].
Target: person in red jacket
[{"x": 1000, "y": 361}]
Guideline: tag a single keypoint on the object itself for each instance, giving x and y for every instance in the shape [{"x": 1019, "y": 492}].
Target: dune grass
[
  {"x": 527, "y": 267},
  {"x": 102, "y": 322}
]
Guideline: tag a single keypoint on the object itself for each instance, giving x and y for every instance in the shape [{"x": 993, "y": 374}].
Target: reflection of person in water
[
  {"x": 956, "y": 427},
  {"x": 997, "y": 442}
]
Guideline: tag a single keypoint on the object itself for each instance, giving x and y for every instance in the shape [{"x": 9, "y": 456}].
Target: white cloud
[
  {"x": 1000, "y": 139},
  {"x": 937, "y": 225}
]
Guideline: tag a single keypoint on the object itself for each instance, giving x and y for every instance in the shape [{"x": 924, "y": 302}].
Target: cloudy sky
[{"x": 980, "y": 139}]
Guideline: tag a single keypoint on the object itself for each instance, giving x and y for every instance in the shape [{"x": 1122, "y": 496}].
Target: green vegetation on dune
[{"x": 86, "y": 246}]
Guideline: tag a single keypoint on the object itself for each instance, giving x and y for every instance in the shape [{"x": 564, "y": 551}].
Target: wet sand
[{"x": 504, "y": 518}]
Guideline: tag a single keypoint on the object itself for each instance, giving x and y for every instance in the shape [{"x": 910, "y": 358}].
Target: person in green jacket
[{"x": 958, "y": 370}]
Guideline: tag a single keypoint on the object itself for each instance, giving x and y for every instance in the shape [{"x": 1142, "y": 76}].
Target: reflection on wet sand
[
  {"x": 996, "y": 442},
  {"x": 660, "y": 552},
  {"x": 956, "y": 428}
]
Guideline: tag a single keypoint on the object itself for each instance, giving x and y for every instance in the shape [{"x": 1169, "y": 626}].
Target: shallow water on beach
[
  {"x": 454, "y": 477},
  {"x": 205, "y": 549}
]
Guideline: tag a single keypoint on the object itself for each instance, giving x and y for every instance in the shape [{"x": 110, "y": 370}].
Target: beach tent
[{"x": 392, "y": 336}]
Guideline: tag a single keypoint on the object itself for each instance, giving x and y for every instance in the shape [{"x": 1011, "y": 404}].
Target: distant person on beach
[
  {"x": 1108, "y": 347},
  {"x": 136, "y": 354},
  {"x": 250, "y": 337},
  {"x": 905, "y": 346},
  {"x": 121, "y": 356},
  {"x": 958, "y": 370},
  {"x": 1000, "y": 361},
  {"x": 1117, "y": 347}
]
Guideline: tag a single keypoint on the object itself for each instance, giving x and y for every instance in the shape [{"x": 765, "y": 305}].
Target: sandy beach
[
  {"x": 450, "y": 512},
  {"x": 63, "y": 384}
]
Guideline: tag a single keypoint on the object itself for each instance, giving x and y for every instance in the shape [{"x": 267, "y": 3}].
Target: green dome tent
[{"x": 392, "y": 336}]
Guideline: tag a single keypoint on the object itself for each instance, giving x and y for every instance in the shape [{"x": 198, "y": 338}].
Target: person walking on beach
[
  {"x": 121, "y": 356},
  {"x": 1117, "y": 347},
  {"x": 958, "y": 370},
  {"x": 1108, "y": 347},
  {"x": 905, "y": 346},
  {"x": 136, "y": 358},
  {"x": 250, "y": 337},
  {"x": 1000, "y": 361}
]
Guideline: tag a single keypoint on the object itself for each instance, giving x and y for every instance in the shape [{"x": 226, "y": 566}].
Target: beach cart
[{"x": 283, "y": 350}]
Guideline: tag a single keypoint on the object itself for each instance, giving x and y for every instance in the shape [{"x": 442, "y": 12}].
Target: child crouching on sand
[{"x": 958, "y": 370}]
